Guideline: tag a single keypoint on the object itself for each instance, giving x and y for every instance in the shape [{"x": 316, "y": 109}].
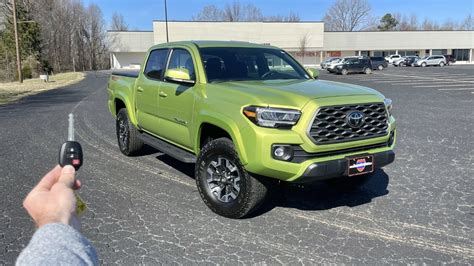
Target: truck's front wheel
[
  {"x": 224, "y": 184},
  {"x": 127, "y": 134}
]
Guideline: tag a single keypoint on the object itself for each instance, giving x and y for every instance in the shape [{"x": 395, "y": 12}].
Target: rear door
[
  {"x": 357, "y": 65},
  {"x": 176, "y": 101},
  {"x": 430, "y": 60},
  {"x": 147, "y": 88}
]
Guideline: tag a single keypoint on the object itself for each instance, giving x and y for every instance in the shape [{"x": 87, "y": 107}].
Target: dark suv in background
[
  {"x": 354, "y": 65},
  {"x": 378, "y": 62},
  {"x": 450, "y": 59}
]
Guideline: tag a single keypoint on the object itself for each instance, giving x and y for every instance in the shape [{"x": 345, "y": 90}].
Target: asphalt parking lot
[{"x": 146, "y": 209}]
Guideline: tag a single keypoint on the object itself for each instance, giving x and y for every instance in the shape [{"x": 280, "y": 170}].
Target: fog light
[{"x": 282, "y": 152}]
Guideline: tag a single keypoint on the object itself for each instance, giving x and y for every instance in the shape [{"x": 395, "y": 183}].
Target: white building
[{"x": 129, "y": 47}]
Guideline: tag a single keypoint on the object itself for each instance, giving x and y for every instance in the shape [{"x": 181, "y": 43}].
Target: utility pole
[
  {"x": 18, "y": 59},
  {"x": 166, "y": 22}
]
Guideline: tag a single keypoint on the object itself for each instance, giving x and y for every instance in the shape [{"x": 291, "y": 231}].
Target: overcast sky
[{"x": 140, "y": 13}]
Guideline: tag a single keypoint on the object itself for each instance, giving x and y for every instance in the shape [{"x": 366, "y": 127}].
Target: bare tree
[
  {"x": 302, "y": 45},
  {"x": 233, "y": 11},
  {"x": 449, "y": 24},
  {"x": 406, "y": 23},
  {"x": 348, "y": 15},
  {"x": 252, "y": 13},
  {"x": 118, "y": 22},
  {"x": 293, "y": 17},
  {"x": 467, "y": 23},
  {"x": 428, "y": 24},
  {"x": 209, "y": 13},
  {"x": 236, "y": 11}
]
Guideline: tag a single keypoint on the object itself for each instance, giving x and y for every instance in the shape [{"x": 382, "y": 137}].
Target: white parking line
[
  {"x": 443, "y": 74},
  {"x": 458, "y": 89},
  {"x": 415, "y": 81},
  {"x": 440, "y": 85},
  {"x": 427, "y": 78}
]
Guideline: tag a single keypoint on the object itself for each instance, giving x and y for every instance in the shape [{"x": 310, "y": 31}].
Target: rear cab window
[{"x": 182, "y": 59}]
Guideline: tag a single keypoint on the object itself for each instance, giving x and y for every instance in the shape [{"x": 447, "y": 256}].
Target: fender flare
[{"x": 226, "y": 124}]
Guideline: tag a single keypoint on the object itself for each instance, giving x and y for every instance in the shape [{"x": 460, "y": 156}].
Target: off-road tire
[
  {"x": 252, "y": 190},
  {"x": 132, "y": 144}
]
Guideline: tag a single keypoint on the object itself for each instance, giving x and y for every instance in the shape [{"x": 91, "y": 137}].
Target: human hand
[{"x": 53, "y": 199}]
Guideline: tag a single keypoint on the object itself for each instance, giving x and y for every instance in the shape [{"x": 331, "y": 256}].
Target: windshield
[
  {"x": 425, "y": 57},
  {"x": 236, "y": 63}
]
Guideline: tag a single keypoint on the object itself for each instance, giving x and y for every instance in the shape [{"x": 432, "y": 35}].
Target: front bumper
[
  {"x": 337, "y": 168},
  {"x": 258, "y": 143}
]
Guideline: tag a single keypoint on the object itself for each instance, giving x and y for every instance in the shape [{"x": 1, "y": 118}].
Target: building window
[
  {"x": 407, "y": 53},
  {"x": 461, "y": 54},
  {"x": 439, "y": 51},
  {"x": 383, "y": 53}
]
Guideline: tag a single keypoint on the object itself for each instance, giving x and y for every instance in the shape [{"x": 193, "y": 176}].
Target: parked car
[
  {"x": 354, "y": 65},
  {"x": 329, "y": 60},
  {"x": 378, "y": 62},
  {"x": 245, "y": 120},
  {"x": 411, "y": 60},
  {"x": 450, "y": 59},
  {"x": 392, "y": 58},
  {"x": 406, "y": 60},
  {"x": 431, "y": 60},
  {"x": 331, "y": 67}
]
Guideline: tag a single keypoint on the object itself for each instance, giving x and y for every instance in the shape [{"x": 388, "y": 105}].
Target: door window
[
  {"x": 156, "y": 63},
  {"x": 181, "y": 58}
]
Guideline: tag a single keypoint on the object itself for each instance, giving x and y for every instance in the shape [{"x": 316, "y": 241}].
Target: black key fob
[{"x": 71, "y": 153}]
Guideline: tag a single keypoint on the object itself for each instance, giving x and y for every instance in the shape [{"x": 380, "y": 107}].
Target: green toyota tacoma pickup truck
[{"x": 246, "y": 114}]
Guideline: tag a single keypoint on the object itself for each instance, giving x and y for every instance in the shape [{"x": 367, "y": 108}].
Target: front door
[
  {"x": 176, "y": 101},
  {"x": 147, "y": 87}
]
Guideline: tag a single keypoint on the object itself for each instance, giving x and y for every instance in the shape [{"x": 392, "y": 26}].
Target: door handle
[
  {"x": 139, "y": 89},
  {"x": 163, "y": 94}
]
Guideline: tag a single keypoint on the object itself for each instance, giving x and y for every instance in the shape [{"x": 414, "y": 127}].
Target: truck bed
[{"x": 126, "y": 73}]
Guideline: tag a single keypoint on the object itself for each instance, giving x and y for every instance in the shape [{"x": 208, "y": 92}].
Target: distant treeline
[{"x": 54, "y": 36}]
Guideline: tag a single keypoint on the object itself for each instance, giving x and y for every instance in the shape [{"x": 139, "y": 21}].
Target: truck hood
[{"x": 292, "y": 92}]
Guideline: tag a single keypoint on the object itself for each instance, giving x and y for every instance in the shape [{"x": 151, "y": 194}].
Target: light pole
[
  {"x": 18, "y": 59},
  {"x": 166, "y": 22}
]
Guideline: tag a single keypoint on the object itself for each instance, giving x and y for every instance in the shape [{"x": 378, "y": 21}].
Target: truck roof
[{"x": 206, "y": 44}]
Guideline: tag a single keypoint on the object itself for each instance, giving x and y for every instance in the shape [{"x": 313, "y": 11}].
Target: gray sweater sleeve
[{"x": 58, "y": 244}]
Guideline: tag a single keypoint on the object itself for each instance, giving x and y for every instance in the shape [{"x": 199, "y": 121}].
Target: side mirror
[
  {"x": 178, "y": 75},
  {"x": 313, "y": 72}
]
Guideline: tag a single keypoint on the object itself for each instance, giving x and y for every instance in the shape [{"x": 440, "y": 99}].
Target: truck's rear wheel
[
  {"x": 127, "y": 134},
  {"x": 224, "y": 184}
]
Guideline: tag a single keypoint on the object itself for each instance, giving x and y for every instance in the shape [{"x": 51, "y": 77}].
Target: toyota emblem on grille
[{"x": 355, "y": 119}]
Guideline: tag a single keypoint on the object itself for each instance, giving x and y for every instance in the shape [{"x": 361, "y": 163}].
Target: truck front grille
[{"x": 331, "y": 126}]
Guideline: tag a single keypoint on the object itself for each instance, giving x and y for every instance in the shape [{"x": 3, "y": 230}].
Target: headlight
[
  {"x": 272, "y": 117},
  {"x": 388, "y": 105}
]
